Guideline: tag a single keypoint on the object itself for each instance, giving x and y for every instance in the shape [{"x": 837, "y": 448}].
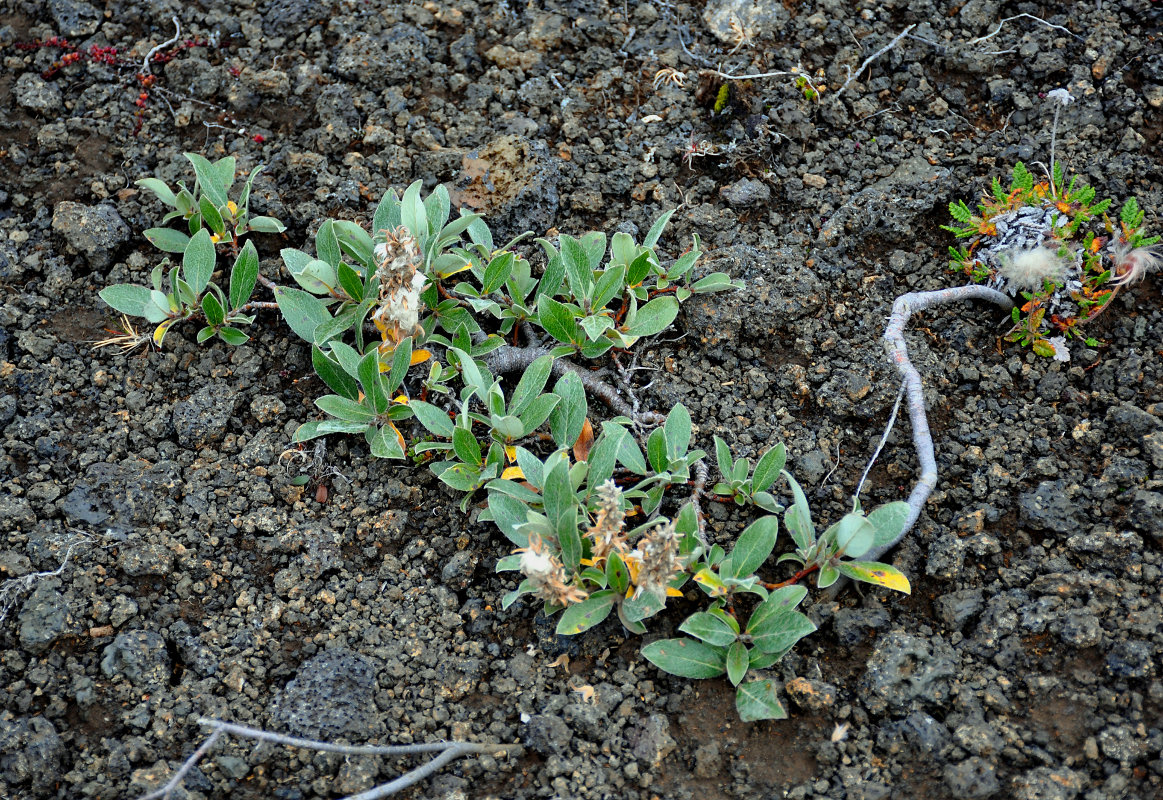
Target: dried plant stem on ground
[
  {"x": 516, "y": 359},
  {"x": 448, "y": 751},
  {"x": 894, "y": 341}
]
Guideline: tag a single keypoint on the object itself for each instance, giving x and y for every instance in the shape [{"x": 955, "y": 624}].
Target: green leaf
[
  {"x": 232, "y": 336},
  {"x": 852, "y": 535},
  {"x": 586, "y": 614},
  {"x": 641, "y": 607},
  {"x": 198, "y": 261},
  {"x": 345, "y": 409},
  {"x": 654, "y": 317},
  {"x": 327, "y": 244},
  {"x": 413, "y": 215},
  {"x": 243, "y": 276},
  {"x": 462, "y": 477},
  {"x": 401, "y": 363},
  {"x": 639, "y": 269},
  {"x": 655, "y": 232},
  {"x": 433, "y": 419},
  {"x": 577, "y": 268},
  {"x": 617, "y": 575},
  {"x": 261, "y": 224},
  {"x": 167, "y": 239},
  {"x": 211, "y": 216},
  {"x": 333, "y": 375},
  {"x": 467, "y": 448},
  {"x": 888, "y": 520},
  {"x": 595, "y": 326},
  {"x": 557, "y": 319},
  {"x": 163, "y": 192},
  {"x": 204, "y": 334},
  {"x": 538, "y": 411},
  {"x": 798, "y": 518},
  {"x": 630, "y": 455},
  {"x": 215, "y": 313},
  {"x": 531, "y": 384},
  {"x": 737, "y": 662},
  {"x": 827, "y": 576},
  {"x": 126, "y": 298},
  {"x": 561, "y": 509},
  {"x": 709, "y": 628},
  {"x": 656, "y": 450},
  {"x": 715, "y": 282},
  {"x": 876, "y": 573},
  {"x": 569, "y": 416},
  {"x": 211, "y": 177},
  {"x": 387, "y": 216},
  {"x": 775, "y": 624},
  {"x": 350, "y": 282},
  {"x": 678, "y": 432},
  {"x": 686, "y": 658},
  {"x": 609, "y": 285},
  {"x": 384, "y": 443},
  {"x": 496, "y": 273},
  {"x": 768, "y": 468},
  {"x": 508, "y": 515},
  {"x": 301, "y": 311},
  {"x": 756, "y": 700},
  {"x": 754, "y": 546},
  {"x": 723, "y": 459}
]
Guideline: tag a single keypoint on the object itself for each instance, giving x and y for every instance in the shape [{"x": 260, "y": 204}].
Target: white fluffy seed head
[{"x": 1028, "y": 270}]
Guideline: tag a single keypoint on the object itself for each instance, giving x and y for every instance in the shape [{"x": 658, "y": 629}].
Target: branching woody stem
[
  {"x": 514, "y": 359},
  {"x": 448, "y": 751}
]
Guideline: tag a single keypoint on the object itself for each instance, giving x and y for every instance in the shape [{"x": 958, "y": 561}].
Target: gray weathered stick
[
  {"x": 894, "y": 341},
  {"x": 447, "y": 751}
]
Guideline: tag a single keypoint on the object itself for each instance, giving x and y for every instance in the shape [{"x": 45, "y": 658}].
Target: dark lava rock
[
  {"x": 95, "y": 231},
  {"x": 202, "y": 418},
  {"x": 363, "y": 58},
  {"x": 746, "y": 192},
  {"x": 74, "y": 18},
  {"x": 856, "y": 625},
  {"x": 332, "y": 696},
  {"x": 972, "y": 779},
  {"x": 35, "y": 93},
  {"x": 30, "y": 752},
  {"x": 918, "y": 731},
  {"x": 547, "y": 734},
  {"x": 121, "y": 496},
  {"x": 1146, "y": 513},
  {"x": 457, "y": 573},
  {"x": 650, "y": 741},
  {"x": 292, "y": 17},
  {"x": 1130, "y": 659},
  {"x": 140, "y": 657},
  {"x": 1046, "y": 783},
  {"x": 513, "y": 181},
  {"x": 957, "y": 608},
  {"x": 905, "y": 669},
  {"x": 45, "y": 617},
  {"x": 1131, "y": 421},
  {"x": 1049, "y": 507}
]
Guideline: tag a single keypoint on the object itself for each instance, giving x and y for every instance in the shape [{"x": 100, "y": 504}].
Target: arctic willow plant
[
  {"x": 184, "y": 292},
  {"x": 374, "y": 306}
]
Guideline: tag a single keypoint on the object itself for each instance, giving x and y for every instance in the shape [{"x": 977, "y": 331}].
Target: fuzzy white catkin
[{"x": 1028, "y": 270}]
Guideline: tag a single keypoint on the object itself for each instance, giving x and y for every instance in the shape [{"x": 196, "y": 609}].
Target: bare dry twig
[{"x": 447, "y": 751}]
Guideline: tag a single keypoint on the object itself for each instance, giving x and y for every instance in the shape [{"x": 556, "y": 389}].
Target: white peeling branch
[{"x": 894, "y": 342}]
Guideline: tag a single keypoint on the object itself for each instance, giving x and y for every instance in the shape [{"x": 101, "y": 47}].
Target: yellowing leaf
[
  {"x": 159, "y": 333},
  {"x": 875, "y": 573},
  {"x": 511, "y": 453},
  {"x": 419, "y": 357},
  {"x": 512, "y": 472},
  {"x": 399, "y": 436},
  {"x": 673, "y": 592},
  {"x": 400, "y": 399},
  {"x": 451, "y": 272}
]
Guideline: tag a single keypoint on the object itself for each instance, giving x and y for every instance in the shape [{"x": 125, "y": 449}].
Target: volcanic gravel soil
[{"x": 200, "y": 579}]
